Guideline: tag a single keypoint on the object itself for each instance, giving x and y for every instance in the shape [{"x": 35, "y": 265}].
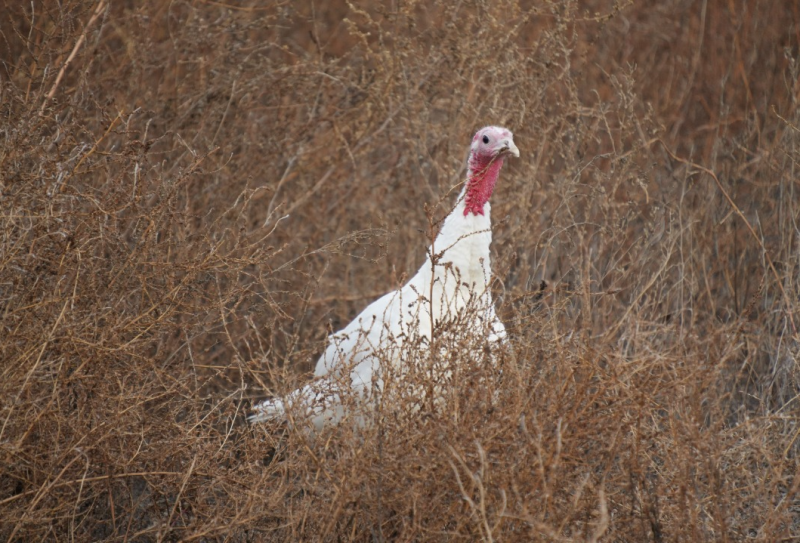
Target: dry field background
[{"x": 194, "y": 193}]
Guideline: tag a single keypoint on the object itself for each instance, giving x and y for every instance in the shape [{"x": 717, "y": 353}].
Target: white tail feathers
[
  {"x": 318, "y": 402},
  {"x": 269, "y": 410}
]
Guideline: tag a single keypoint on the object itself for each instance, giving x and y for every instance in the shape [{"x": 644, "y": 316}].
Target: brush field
[{"x": 194, "y": 193}]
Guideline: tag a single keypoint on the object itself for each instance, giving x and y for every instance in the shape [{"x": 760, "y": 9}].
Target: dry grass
[{"x": 193, "y": 193}]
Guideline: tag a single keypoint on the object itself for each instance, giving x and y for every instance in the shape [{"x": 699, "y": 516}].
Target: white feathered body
[{"x": 356, "y": 358}]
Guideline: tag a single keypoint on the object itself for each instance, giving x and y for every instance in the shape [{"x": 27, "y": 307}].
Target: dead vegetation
[{"x": 194, "y": 193}]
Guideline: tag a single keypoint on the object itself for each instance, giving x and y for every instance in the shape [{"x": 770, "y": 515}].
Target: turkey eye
[{"x": 485, "y": 139}]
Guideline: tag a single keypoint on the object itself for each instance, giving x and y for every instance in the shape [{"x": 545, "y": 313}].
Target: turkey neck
[{"x": 466, "y": 234}]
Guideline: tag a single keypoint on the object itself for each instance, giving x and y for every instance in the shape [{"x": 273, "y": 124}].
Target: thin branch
[{"x": 96, "y": 15}]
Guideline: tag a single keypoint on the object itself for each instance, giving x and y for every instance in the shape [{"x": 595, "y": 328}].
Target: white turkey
[{"x": 454, "y": 277}]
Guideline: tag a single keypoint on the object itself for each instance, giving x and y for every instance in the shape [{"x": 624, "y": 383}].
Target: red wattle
[{"x": 483, "y": 174}]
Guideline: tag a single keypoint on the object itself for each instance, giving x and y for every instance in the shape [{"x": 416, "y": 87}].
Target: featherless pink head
[{"x": 487, "y": 153}]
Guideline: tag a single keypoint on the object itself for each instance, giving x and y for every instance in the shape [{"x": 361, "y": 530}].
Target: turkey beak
[{"x": 507, "y": 147}]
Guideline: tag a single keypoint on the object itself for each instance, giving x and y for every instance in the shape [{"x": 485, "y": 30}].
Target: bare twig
[{"x": 95, "y": 15}]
